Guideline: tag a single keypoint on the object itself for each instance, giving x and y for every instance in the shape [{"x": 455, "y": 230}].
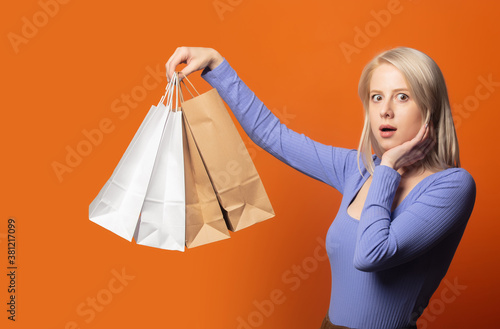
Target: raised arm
[
  {"x": 442, "y": 209},
  {"x": 325, "y": 163}
]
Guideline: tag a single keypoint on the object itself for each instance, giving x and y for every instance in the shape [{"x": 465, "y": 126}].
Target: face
[{"x": 394, "y": 115}]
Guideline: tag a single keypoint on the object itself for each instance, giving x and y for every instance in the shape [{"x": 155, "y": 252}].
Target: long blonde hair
[{"x": 426, "y": 84}]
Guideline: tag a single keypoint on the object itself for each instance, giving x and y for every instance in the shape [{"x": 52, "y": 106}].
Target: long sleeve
[
  {"x": 384, "y": 267},
  {"x": 444, "y": 206},
  {"x": 325, "y": 163}
]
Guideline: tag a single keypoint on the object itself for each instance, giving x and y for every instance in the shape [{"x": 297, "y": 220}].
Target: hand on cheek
[{"x": 409, "y": 152}]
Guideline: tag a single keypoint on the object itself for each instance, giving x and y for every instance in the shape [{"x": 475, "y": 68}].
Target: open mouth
[
  {"x": 387, "y": 131},
  {"x": 386, "y": 128}
]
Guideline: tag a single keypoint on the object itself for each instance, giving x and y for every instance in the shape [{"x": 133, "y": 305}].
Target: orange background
[{"x": 63, "y": 78}]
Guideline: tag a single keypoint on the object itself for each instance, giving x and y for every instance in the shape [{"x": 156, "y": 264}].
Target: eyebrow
[{"x": 395, "y": 90}]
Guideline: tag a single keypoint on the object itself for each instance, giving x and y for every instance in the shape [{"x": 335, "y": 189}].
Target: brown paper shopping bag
[
  {"x": 239, "y": 188},
  {"x": 204, "y": 220}
]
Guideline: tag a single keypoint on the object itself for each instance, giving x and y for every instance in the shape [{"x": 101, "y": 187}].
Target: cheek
[
  {"x": 373, "y": 121},
  {"x": 372, "y": 125},
  {"x": 414, "y": 122}
]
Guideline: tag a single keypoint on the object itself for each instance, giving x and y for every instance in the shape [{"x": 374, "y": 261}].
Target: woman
[{"x": 404, "y": 208}]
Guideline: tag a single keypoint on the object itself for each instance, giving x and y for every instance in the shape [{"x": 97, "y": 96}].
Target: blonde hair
[{"x": 426, "y": 84}]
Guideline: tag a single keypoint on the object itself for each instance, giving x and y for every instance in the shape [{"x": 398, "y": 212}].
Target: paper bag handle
[
  {"x": 168, "y": 90},
  {"x": 172, "y": 87},
  {"x": 185, "y": 86},
  {"x": 175, "y": 88}
]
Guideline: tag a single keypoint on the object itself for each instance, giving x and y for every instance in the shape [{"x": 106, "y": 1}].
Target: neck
[{"x": 415, "y": 169}]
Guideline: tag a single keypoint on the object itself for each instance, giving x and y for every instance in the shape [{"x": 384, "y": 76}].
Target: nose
[{"x": 386, "y": 109}]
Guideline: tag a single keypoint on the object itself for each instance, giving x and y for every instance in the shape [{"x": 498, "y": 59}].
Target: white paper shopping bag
[
  {"x": 163, "y": 222},
  {"x": 118, "y": 204}
]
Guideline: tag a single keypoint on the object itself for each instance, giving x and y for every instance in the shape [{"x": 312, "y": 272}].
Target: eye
[
  {"x": 376, "y": 98},
  {"x": 402, "y": 97}
]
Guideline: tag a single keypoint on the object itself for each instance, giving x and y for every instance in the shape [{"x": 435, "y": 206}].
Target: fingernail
[{"x": 426, "y": 125}]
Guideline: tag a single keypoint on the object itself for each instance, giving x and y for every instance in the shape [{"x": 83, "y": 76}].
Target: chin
[{"x": 387, "y": 145}]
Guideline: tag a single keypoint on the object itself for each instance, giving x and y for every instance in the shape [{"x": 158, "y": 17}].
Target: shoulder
[
  {"x": 452, "y": 184},
  {"x": 455, "y": 177}
]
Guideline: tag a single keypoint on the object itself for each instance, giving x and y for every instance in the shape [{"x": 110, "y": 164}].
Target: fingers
[
  {"x": 428, "y": 141},
  {"x": 421, "y": 136},
  {"x": 421, "y": 150},
  {"x": 168, "y": 65},
  {"x": 196, "y": 58},
  {"x": 426, "y": 134},
  {"x": 428, "y": 147},
  {"x": 422, "y": 133},
  {"x": 413, "y": 150},
  {"x": 416, "y": 150},
  {"x": 180, "y": 56},
  {"x": 190, "y": 68}
]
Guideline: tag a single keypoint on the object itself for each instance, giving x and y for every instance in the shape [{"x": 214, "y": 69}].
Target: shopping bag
[
  {"x": 239, "y": 188},
  {"x": 162, "y": 223},
  {"x": 118, "y": 204},
  {"x": 204, "y": 220}
]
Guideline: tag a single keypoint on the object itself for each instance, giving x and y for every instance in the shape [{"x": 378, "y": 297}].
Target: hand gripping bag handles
[
  {"x": 236, "y": 182},
  {"x": 180, "y": 207},
  {"x": 184, "y": 179},
  {"x": 118, "y": 205}
]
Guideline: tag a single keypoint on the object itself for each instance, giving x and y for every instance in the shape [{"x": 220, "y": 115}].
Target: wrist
[
  {"x": 387, "y": 164},
  {"x": 400, "y": 170},
  {"x": 216, "y": 59}
]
